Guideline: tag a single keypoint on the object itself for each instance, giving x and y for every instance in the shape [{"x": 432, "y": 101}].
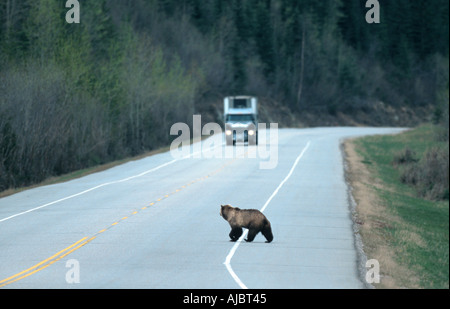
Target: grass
[{"x": 415, "y": 229}]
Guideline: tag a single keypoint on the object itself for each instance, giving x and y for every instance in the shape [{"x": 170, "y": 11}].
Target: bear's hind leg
[
  {"x": 251, "y": 235},
  {"x": 235, "y": 233},
  {"x": 267, "y": 232}
]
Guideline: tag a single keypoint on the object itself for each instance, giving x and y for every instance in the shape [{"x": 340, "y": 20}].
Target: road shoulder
[{"x": 369, "y": 224}]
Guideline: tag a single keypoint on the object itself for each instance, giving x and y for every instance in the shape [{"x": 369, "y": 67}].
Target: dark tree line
[{"x": 75, "y": 95}]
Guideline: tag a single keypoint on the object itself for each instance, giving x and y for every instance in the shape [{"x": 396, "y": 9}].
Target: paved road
[{"x": 154, "y": 223}]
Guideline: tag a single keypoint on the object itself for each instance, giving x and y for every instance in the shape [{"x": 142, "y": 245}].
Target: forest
[{"x": 110, "y": 87}]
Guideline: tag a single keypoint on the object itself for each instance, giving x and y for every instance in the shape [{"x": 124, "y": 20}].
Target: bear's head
[{"x": 225, "y": 210}]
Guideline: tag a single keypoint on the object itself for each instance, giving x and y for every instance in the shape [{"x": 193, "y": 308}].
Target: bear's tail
[{"x": 267, "y": 231}]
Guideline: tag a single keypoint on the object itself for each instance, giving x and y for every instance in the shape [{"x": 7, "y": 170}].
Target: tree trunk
[{"x": 302, "y": 68}]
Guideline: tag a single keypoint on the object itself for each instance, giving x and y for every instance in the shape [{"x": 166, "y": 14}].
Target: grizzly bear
[{"x": 251, "y": 219}]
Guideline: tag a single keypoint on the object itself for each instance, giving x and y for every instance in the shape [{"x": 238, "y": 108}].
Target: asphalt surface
[{"x": 154, "y": 223}]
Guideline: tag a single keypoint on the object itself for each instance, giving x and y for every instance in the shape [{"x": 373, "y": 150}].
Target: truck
[{"x": 241, "y": 120}]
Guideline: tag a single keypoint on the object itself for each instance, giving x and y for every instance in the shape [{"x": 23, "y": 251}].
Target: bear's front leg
[{"x": 235, "y": 233}]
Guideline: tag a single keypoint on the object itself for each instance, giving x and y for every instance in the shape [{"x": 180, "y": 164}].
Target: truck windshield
[{"x": 240, "y": 118}]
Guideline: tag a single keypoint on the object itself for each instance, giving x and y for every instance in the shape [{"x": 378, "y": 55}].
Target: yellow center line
[
  {"x": 85, "y": 240},
  {"x": 6, "y": 281}
]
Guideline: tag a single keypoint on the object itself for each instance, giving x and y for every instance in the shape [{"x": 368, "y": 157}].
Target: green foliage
[
  {"x": 112, "y": 85},
  {"x": 84, "y": 94},
  {"x": 417, "y": 228}
]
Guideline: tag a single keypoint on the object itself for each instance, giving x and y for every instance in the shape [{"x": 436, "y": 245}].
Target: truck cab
[{"x": 241, "y": 119}]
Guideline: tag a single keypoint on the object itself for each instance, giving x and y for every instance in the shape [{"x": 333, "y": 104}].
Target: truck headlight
[
  {"x": 228, "y": 132},
  {"x": 251, "y": 132}
]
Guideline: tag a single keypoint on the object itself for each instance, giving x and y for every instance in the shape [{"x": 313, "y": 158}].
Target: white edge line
[
  {"x": 108, "y": 183},
  {"x": 227, "y": 262}
]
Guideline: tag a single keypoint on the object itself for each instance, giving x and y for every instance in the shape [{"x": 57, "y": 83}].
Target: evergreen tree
[
  {"x": 264, "y": 38},
  {"x": 80, "y": 94}
]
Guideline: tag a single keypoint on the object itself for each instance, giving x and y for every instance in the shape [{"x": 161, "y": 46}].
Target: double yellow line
[
  {"x": 47, "y": 262},
  {"x": 85, "y": 240}
]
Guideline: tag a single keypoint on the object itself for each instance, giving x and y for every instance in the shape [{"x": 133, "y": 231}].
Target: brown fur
[{"x": 251, "y": 219}]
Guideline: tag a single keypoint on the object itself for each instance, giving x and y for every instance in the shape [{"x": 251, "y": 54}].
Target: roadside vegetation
[
  {"x": 401, "y": 185},
  {"x": 73, "y": 96}
]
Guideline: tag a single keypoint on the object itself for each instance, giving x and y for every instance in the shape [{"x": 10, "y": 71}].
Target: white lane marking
[
  {"x": 236, "y": 245},
  {"x": 108, "y": 183}
]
